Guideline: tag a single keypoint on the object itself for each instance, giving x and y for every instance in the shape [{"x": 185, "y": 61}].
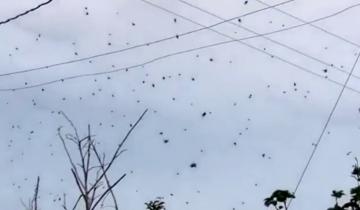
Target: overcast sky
[{"x": 266, "y": 99}]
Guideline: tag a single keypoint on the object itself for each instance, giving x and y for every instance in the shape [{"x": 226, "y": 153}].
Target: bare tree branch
[
  {"x": 33, "y": 203},
  {"x": 108, "y": 190},
  {"x": 94, "y": 185},
  {"x": 36, "y": 193}
]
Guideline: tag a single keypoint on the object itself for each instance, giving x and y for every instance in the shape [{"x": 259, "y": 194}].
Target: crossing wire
[
  {"x": 175, "y": 54},
  {"x": 312, "y": 25},
  {"x": 47, "y": 67},
  {"x": 50, "y": 66},
  {"x": 270, "y": 39},
  {"x": 344, "y": 86}
]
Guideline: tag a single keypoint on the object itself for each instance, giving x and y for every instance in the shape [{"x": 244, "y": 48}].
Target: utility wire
[
  {"x": 156, "y": 60},
  {"x": 324, "y": 128},
  {"x": 337, "y": 101},
  {"x": 269, "y": 39},
  {"x": 344, "y": 86},
  {"x": 25, "y": 13},
  {"x": 314, "y": 26},
  {"x": 244, "y": 43},
  {"x": 171, "y": 55},
  {"x": 141, "y": 45},
  {"x": 48, "y": 67}
]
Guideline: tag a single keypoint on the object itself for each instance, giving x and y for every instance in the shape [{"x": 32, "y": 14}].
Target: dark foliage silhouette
[
  {"x": 354, "y": 201},
  {"x": 155, "y": 205},
  {"x": 279, "y": 199}
]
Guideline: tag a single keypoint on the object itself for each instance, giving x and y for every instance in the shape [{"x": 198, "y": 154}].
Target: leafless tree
[
  {"x": 90, "y": 168},
  {"x": 33, "y": 203}
]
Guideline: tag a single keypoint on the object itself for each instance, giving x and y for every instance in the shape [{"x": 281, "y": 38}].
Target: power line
[
  {"x": 344, "y": 86},
  {"x": 243, "y": 43},
  {"x": 171, "y": 55},
  {"x": 159, "y": 59},
  {"x": 337, "y": 101},
  {"x": 176, "y": 37},
  {"x": 312, "y": 25},
  {"x": 25, "y": 13},
  {"x": 269, "y": 39},
  {"x": 141, "y": 45},
  {"x": 324, "y": 128}
]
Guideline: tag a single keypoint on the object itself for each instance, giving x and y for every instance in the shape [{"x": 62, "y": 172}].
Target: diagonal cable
[
  {"x": 270, "y": 39},
  {"x": 313, "y": 25},
  {"x": 324, "y": 129},
  {"x": 25, "y": 13},
  {"x": 175, "y": 54},
  {"x": 48, "y": 67}
]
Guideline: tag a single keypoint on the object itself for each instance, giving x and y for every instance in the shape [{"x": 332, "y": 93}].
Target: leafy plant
[
  {"x": 155, "y": 205},
  {"x": 279, "y": 199},
  {"x": 354, "y": 202},
  {"x": 337, "y": 195}
]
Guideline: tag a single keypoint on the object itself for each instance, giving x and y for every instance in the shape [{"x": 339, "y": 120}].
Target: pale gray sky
[{"x": 264, "y": 104}]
